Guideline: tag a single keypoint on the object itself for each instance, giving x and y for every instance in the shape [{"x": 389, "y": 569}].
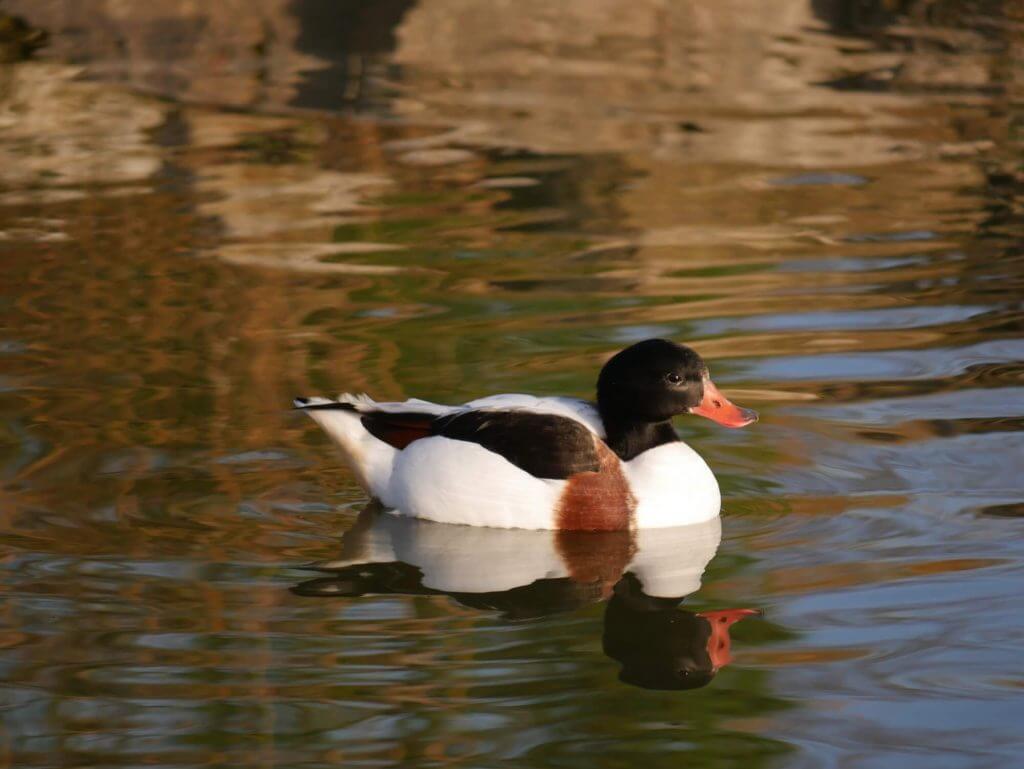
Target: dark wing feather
[
  {"x": 544, "y": 445},
  {"x": 398, "y": 429}
]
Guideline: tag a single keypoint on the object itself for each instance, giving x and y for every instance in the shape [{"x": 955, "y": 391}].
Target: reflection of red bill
[
  {"x": 718, "y": 408},
  {"x": 720, "y": 621}
]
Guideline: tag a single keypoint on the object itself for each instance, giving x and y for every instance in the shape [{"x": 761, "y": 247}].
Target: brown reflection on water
[{"x": 824, "y": 198}]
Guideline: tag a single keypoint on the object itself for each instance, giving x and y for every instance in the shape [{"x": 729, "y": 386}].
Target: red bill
[{"x": 718, "y": 408}]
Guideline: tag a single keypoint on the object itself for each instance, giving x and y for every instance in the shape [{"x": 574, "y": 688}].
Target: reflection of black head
[{"x": 659, "y": 645}]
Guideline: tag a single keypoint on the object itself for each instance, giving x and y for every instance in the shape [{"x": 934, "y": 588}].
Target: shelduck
[{"x": 520, "y": 461}]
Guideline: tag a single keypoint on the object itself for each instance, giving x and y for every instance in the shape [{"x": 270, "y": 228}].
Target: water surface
[{"x": 204, "y": 214}]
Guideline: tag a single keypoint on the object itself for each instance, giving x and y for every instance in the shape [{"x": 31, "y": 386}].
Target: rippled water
[{"x": 202, "y": 216}]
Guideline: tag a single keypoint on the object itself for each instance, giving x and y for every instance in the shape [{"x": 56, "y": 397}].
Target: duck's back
[{"x": 506, "y": 461}]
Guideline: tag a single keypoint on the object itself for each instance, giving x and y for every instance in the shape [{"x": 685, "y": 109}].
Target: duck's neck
[{"x": 629, "y": 438}]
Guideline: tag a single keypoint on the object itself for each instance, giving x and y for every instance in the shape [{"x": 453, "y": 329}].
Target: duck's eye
[{"x": 673, "y": 377}]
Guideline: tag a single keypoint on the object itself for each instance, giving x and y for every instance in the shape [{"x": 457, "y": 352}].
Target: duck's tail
[
  {"x": 369, "y": 458},
  {"x": 344, "y": 402}
]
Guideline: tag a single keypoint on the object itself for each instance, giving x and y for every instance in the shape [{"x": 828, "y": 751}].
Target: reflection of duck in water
[
  {"x": 517, "y": 461},
  {"x": 661, "y": 646},
  {"x": 526, "y": 574}
]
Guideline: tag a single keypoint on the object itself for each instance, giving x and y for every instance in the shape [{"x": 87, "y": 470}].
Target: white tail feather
[{"x": 370, "y": 459}]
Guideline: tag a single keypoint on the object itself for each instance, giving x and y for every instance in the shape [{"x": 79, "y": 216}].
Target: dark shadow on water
[{"x": 351, "y": 37}]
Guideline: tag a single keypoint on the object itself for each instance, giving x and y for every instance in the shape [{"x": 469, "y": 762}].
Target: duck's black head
[{"x": 648, "y": 383}]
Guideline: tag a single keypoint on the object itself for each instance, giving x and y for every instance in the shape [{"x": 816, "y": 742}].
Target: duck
[{"x": 532, "y": 462}]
